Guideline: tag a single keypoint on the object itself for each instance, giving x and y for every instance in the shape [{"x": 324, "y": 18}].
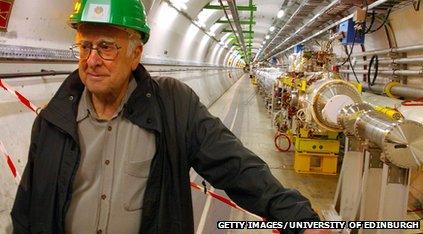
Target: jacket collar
[
  {"x": 86, "y": 107},
  {"x": 141, "y": 109}
]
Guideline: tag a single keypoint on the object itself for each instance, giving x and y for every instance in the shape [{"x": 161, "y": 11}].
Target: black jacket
[{"x": 187, "y": 135}]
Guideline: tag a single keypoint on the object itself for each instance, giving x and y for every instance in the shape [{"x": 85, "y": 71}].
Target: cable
[
  {"x": 416, "y": 5},
  {"x": 416, "y": 102},
  {"x": 350, "y": 53},
  {"x": 349, "y": 56},
  {"x": 372, "y": 22},
  {"x": 284, "y": 135},
  {"x": 349, "y": 59},
  {"x": 367, "y": 30},
  {"x": 353, "y": 70},
  {"x": 384, "y": 21},
  {"x": 375, "y": 60}
]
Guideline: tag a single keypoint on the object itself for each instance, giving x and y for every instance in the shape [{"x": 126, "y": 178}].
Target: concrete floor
[{"x": 242, "y": 110}]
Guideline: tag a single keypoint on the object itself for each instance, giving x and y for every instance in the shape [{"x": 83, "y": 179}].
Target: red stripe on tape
[
  {"x": 224, "y": 200},
  {"x": 11, "y": 165},
  {"x": 216, "y": 196},
  {"x": 228, "y": 202},
  {"x": 1, "y": 84},
  {"x": 24, "y": 101},
  {"x": 194, "y": 185}
]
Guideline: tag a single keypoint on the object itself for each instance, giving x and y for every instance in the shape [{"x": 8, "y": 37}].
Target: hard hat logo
[
  {"x": 123, "y": 13},
  {"x": 96, "y": 13},
  {"x": 98, "y": 10}
]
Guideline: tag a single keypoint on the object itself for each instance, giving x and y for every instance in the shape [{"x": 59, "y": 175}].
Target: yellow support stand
[
  {"x": 317, "y": 155},
  {"x": 316, "y": 145},
  {"x": 314, "y": 163}
]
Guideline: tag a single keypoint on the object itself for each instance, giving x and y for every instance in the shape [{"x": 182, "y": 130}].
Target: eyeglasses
[{"x": 106, "y": 50}]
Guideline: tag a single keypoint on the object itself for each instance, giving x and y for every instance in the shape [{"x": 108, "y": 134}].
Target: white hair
[{"x": 134, "y": 40}]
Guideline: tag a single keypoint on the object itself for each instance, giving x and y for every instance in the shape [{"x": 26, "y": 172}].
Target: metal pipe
[
  {"x": 33, "y": 74},
  {"x": 188, "y": 70},
  {"x": 416, "y": 60},
  {"x": 234, "y": 12},
  {"x": 377, "y": 89},
  {"x": 56, "y": 73},
  {"x": 392, "y": 50},
  {"x": 388, "y": 72},
  {"x": 407, "y": 92},
  {"x": 404, "y": 91},
  {"x": 184, "y": 65}
]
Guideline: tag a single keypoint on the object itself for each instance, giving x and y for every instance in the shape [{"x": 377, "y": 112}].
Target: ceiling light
[
  {"x": 281, "y": 13},
  {"x": 272, "y": 28},
  {"x": 267, "y": 37},
  {"x": 264, "y": 42}
]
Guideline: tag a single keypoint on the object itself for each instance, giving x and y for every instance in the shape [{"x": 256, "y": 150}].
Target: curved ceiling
[{"x": 269, "y": 28}]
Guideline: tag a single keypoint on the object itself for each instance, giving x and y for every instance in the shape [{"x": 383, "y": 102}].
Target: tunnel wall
[{"x": 176, "y": 49}]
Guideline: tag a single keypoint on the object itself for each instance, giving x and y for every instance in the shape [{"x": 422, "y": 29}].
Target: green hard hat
[{"x": 123, "y": 13}]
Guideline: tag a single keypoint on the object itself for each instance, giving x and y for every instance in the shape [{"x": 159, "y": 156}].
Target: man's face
[{"x": 106, "y": 77}]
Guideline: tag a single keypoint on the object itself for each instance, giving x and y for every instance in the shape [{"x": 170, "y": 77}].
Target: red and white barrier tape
[
  {"x": 223, "y": 199},
  {"x": 19, "y": 96},
  {"x": 227, "y": 202},
  {"x": 25, "y": 101},
  {"x": 10, "y": 163}
]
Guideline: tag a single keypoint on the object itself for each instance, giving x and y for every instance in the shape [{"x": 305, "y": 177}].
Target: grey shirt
[{"x": 110, "y": 182}]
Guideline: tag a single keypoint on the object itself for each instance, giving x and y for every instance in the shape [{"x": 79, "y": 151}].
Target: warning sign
[{"x": 5, "y": 9}]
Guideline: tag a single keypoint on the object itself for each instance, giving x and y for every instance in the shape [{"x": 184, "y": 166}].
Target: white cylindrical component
[
  {"x": 333, "y": 107},
  {"x": 326, "y": 97}
]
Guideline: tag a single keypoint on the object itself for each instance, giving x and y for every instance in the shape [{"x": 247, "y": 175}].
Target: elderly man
[{"x": 112, "y": 150}]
